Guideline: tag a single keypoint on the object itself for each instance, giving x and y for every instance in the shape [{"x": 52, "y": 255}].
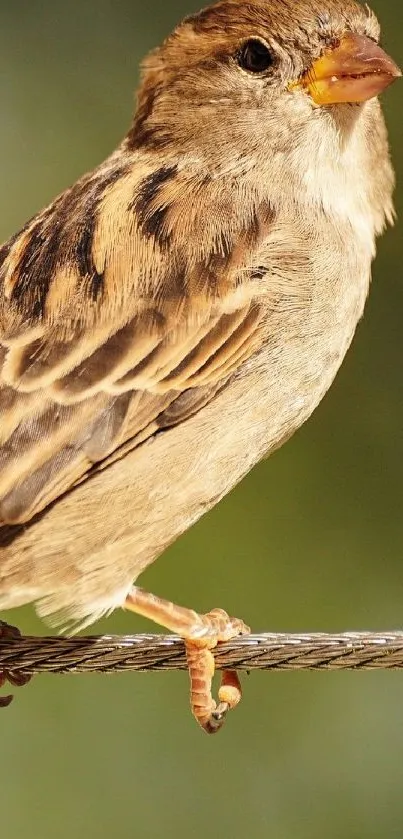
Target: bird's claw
[{"x": 8, "y": 633}]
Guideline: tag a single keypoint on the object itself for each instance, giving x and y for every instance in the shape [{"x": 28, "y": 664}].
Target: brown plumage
[{"x": 180, "y": 311}]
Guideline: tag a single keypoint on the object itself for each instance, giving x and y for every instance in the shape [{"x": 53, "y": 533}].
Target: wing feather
[{"x": 109, "y": 333}]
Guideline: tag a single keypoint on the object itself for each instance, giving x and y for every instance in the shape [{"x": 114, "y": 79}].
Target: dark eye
[{"x": 255, "y": 56}]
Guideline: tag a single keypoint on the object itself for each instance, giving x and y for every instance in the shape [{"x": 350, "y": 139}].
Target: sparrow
[{"x": 179, "y": 312}]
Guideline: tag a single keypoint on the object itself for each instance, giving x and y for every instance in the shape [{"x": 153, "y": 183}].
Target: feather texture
[{"x": 77, "y": 364}]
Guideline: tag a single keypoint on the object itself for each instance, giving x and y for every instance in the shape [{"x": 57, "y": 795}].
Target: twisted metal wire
[{"x": 20, "y": 655}]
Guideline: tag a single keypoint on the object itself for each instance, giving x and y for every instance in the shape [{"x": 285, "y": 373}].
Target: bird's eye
[{"x": 255, "y": 56}]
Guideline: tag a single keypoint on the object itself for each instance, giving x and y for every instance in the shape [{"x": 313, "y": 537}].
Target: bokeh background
[{"x": 311, "y": 540}]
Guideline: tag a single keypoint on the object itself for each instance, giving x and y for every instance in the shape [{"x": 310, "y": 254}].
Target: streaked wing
[{"x": 109, "y": 332}]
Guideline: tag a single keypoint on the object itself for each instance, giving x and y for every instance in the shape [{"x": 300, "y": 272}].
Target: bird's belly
[
  {"x": 83, "y": 565},
  {"x": 265, "y": 403}
]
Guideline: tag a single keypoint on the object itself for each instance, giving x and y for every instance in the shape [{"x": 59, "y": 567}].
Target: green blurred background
[{"x": 312, "y": 540}]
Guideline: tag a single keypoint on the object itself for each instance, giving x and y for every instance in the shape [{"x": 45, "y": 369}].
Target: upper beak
[{"x": 354, "y": 71}]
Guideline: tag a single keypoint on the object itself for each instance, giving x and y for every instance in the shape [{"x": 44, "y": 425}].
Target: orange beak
[{"x": 354, "y": 71}]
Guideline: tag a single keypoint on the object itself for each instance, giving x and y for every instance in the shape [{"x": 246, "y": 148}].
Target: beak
[{"x": 354, "y": 71}]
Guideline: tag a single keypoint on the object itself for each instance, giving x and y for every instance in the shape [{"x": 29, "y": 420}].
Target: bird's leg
[
  {"x": 10, "y": 633},
  {"x": 201, "y": 634}
]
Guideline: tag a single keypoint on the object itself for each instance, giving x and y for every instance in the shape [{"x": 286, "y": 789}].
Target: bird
[{"x": 179, "y": 312}]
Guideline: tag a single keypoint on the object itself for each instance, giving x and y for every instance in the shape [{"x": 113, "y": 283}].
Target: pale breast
[{"x": 315, "y": 290}]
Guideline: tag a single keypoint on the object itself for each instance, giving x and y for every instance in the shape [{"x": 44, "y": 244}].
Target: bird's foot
[
  {"x": 201, "y": 634},
  {"x": 7, "y": 633}
]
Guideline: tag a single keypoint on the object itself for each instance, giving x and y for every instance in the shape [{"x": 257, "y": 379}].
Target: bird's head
[{"x": 245, "y": 86}]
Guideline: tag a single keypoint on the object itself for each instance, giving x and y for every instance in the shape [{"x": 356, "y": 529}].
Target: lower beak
[{"x": 354, "y": 71}]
